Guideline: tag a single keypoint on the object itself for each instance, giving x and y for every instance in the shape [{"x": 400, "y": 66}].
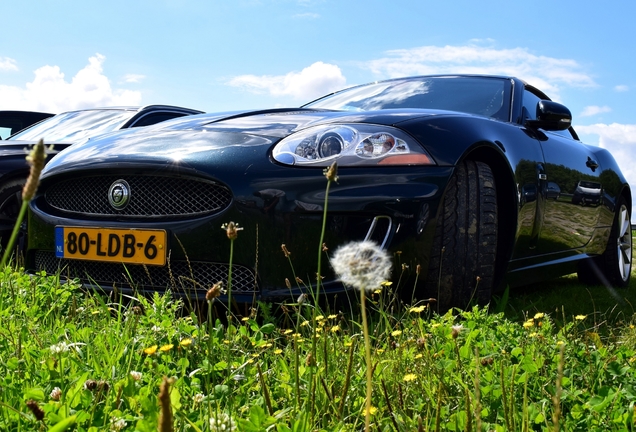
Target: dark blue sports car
[{"x": 470, "y": 179}]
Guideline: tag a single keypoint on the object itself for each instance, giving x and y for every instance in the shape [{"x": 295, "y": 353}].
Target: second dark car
[
  {"x": 59, "y": 132},
  {"x": 454, "y": 175}
]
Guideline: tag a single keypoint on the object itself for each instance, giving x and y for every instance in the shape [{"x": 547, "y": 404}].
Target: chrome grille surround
[
  {"x": 150, "y": 196},
  {"x": 194, "y": 277}
]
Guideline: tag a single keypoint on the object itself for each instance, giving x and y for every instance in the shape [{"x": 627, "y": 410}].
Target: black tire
[
  {"x": 614, "y": 267},
  {"x": 462, "y": 265},
  {"x": 10, "y": 203}
]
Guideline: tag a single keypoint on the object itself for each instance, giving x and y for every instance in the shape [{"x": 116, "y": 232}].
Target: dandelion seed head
[{"x": 362, "y": 265}]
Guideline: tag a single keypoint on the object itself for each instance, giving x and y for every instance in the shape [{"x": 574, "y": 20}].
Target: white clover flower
[
  {"x": 56, "y": 394},
  {"x": 363, "y": 265},
  {"x": 222, "y": 423},
  {"x": 198, "y": 398},
  {"x": 117, "y": 424},
  {"x": 156, "y": 328},
  {"x": 59, "y": 348},
  {"x": 135, "y": 375}
]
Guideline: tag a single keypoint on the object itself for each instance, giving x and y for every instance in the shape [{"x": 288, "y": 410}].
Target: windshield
[
  {"x": 76, "y": 125},
  {"x": 485, "y": 96}
]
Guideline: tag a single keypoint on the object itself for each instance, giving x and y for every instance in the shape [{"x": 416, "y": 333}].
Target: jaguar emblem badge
[{"x": 119, "y": 194}]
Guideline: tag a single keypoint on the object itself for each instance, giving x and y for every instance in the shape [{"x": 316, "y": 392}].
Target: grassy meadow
[{"x": 557, "y": 357}]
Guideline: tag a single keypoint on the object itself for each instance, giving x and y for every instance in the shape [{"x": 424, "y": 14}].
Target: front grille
[
  {"x": 150, "y": 196},
  {"x": 178, "y": 275}
]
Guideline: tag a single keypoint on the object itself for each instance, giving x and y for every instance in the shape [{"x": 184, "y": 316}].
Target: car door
[{"x": 569, "y": 188}]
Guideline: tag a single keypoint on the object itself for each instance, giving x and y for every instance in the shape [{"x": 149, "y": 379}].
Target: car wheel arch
[{"x": 490, "y": 154}]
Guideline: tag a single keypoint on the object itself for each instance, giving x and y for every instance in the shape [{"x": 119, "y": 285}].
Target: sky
[{"x": 222, "y": 55}]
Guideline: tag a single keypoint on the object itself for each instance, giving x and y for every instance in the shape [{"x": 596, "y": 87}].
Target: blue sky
[{"x": 218, "y": 55}]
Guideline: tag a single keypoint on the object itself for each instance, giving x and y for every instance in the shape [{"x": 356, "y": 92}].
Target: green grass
[{"x": 461, "y": 371}]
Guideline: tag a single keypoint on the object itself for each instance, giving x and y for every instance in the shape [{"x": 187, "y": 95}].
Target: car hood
[{"x": 194, "y": 142}]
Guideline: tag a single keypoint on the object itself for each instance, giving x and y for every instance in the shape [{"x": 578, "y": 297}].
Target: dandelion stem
[{"x": 367, "y": 352}]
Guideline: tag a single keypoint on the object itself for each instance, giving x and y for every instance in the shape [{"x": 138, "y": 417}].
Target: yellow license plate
[{"x": 111, "y": 244}]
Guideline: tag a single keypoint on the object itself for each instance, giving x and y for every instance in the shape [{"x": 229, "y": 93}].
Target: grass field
[{"x": 560, "y": 356}]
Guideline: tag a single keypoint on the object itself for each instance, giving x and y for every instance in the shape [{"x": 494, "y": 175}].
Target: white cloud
[
  {"x": 593, "y": 110},
  {"x": 620, "y": 140},
  {"x": 8, "y": 64},
  {"x": 546, "y": 73},
  {"x": 134, "y": 78},
  {"x": 621, "y": 88},
  {"x": 312, "y": 82},
  {"x": 50, "y": 91}
]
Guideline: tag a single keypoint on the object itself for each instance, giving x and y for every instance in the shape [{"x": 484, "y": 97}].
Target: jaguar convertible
[{"x": 472, "y": 183}]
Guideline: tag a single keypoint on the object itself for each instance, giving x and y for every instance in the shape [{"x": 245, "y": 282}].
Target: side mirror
[{"x": 551, "y": 116}]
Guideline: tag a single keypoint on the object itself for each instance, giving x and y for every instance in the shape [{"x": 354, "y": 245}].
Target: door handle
[{"x": 591, "y": 163}]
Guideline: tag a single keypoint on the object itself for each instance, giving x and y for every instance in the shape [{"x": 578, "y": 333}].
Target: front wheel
[{"x": 462, "y": 264}]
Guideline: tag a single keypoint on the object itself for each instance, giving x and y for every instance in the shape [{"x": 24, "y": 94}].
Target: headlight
[{"x": 350, "y": 145}]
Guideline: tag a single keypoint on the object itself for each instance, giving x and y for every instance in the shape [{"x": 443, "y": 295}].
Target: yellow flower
[
  {"x": 435, "y": 325},
  {"x": 348, "y": 343},
  {"x": 410, "y": 377},
  {"x": 528, "y": 324},
  {"x": 419, "y": 356},
  {"x": 533, "y": 334},
  {"x": 166, "y": 348},
  {"x": 304, "y": 324},
  {"x": 418, "y": 309},
  {"x": 559, "y": 343},
  {"x": 288, "y": 331},
  {"x": 386, "y": 283},
  {"x": 278, "y": 351},
  {"x": 320, "y": 317},
  {"x": 332, "y": 316},
  {"x": 245, "y": 319},
  {"x": 372, "y": 410},
  {"x": 378, "y": 291},
  {"x": 151, "y": 350},
  {"x": 335, "y": 329},
  {"x": 185, "y": 342},
  {"x": 396, "y": 333},
  {"x": 539, "y": 315},
  {"x": 380, "y": 350},
  {"x": 580, "y": 317}
]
